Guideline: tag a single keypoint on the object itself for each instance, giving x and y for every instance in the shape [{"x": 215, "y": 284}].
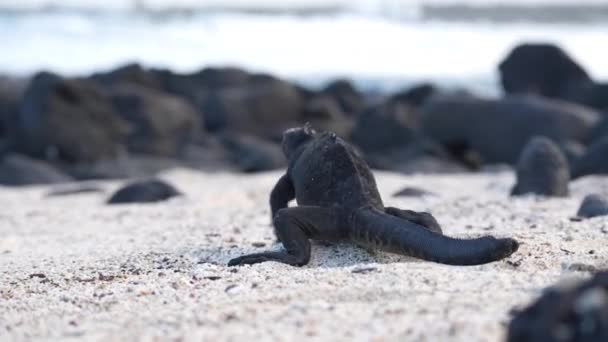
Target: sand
[{"x": 74, "y": 268}]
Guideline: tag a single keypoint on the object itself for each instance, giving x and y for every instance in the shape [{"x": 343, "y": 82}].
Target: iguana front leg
[
  {"x": 418, "y": 217},
  {"x": 281, "y": 194},
  {"x": 294, "y": 227}
]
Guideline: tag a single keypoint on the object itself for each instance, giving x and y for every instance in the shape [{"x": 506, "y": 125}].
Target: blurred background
[
  {"x": 378, "y": 43},
  {"x": 124, "y": 88}
]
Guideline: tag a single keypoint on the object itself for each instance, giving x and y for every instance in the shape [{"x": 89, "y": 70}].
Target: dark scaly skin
[{"x": 338, "y": 200}]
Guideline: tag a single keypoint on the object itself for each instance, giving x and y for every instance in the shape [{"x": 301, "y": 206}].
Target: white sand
[{"x": 158, "y": 271}]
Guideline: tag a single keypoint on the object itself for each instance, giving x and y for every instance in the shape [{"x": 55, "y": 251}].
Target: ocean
[{"x": 380, "y": 44}]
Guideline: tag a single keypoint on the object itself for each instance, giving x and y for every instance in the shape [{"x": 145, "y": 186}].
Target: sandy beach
[
  {"x": 464, "y": 94},
  {"x": 72, "y": 266}
]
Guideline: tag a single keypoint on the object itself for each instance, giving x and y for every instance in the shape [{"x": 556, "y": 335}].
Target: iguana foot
[
  {"x": 294, "y": 227},
  {"x": 257, "y": 258},
  {"x": 418, "y": 217}
]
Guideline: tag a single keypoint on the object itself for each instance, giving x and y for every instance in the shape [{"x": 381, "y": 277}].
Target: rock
[
  {"x": 594, "y": 96},
  {"x": 68, "y": 119},
  {"x": 201, "y": 88},
  {"x": 323, "y": 113},
  {"x": 133, "y": 166},
  {"x": 497, "y": 130},
  {"x": 388, "y": 136},
  {"x": 259, "y": 105},
  {"x": 347, "y": 96},
  {"x": 416, "y": 95},
  {"x": 428, "y": 164},
  {"x": 145, "y": 191},
  {"x": 161, "y": 123},
  {"x": 251, "y": 154},
  {"x": 409, "y": 191},
  {"x": 11, "y": 91},
  {"x": 394, "y": 126},
  {"x": 599, "y": 131},
  {"x": 206, "y": 154},
  {"x": 133, "y": 74},
  {"x": 384, "y": 127},
  {"x": 17, "y": 170},
  {"x": 593, "y": 205},
  {"x": 547, "y": 70},
  {"x": 573, "y": 151},
  {"x": 542, "y": 169},
  {"x": 420, "y": 156},
  {"x": 594, "y": 161},
  {"x": 265, "y": 107},
  {"x": 544, "y": 69},
  {"x": 196, "y": 86},
  {"x": 568, "y": 313},
  {"x": 222, "y": 77}
]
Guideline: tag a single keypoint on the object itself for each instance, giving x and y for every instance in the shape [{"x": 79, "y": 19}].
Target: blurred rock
[
  {"x": 350, "y": 100},
  {"x": 265, "y": 107},
  {"x": 428, "y": 164},
  {"x": 565, "y": 313},
  {"x": 389, "y": 137},
  {"x": 133, "y": 74},
  {"x": 416, "y": 95},
  {"x": 324, "y": 114},
  {"x": 68, "y": 119},
  {"x": 145, "y": 191},
  {"x": 11, "y": 91},
  {"x": 161, "y": 124},
  {"x": 542, "y": 169},
  {"x": 593, "y": 205},
  {"x": 544, "y": 69},
  {"x": 384, "y": 127},
  {"x": 18, "y": 170},
  {"x": 573, "y": 151},
  {"x": 497, "y": 130},
  {"x": 251, "y": 154},
  {"x": 206, "y": 154},
  {"x": 195, "y": 86},
  {"x": 599, "y": 131},
  {"x": 595, "y": 96},
  {"x": 132, "y": 166},
  {"x": 594, "y": 161},
  {"x": 547, "y": 70},
  {"x": 421, "y": 156}
]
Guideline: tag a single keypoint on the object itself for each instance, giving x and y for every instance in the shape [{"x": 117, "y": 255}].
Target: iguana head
[{"x": 294, "y": 138}]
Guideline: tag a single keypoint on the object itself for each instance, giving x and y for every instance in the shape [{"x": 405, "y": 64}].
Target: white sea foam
[
  {"x": 352, "y": 44},
  {"x": 354, "y": 4}
]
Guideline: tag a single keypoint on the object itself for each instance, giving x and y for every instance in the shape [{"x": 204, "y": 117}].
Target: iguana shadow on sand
[{"x": 338, "y": 200}]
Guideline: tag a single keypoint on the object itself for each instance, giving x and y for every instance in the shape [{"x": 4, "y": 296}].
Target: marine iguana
[{"x": 338, "y": 200}]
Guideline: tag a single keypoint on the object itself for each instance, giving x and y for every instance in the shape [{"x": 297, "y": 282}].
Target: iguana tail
[{"x": 381, "y": 231}]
